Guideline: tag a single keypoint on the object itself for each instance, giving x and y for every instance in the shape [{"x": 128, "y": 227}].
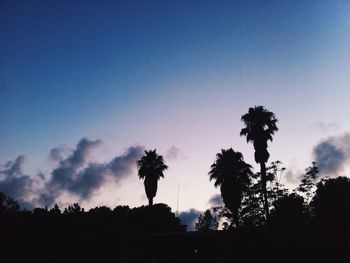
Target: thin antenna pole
[{"x": 177, "y": 203}]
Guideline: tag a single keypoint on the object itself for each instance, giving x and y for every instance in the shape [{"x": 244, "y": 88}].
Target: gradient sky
[{"x": 171, "y": 75}]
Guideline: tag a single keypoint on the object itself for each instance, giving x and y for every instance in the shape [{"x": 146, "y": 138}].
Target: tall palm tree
[
  {"x": 150, "y": 168},
  {"x": 232, "y": 174},
  {"x": 260, "y": 125}
]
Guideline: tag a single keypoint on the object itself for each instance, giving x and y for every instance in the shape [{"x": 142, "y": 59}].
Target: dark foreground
[{"x": 66, "y": 245}]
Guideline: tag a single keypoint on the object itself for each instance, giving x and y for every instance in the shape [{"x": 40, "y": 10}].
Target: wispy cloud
[
  {"x": 292, "y": 176},
  {"x": 327, "y": 126},
  {"x": 174, "y": 153}
]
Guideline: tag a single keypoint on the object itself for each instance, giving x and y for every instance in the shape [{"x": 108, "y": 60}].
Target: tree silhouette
[
  {"x": 150, "y": 168},
  {"x": 232, "y": 174},
  {"x": 331, "y": 202},
  {"x": 8, "y": 205},
  {"x": 157, "y": 218},
  {"x": 275, "y": 189},
  {"x": 289, "y": 211},
  {"x": 206, "y": 222},
  {"x": 100, "y": 211},
  {"x": 307, "y": 185},
  {"x": 260, "y": 125},
  {"x": 74, "y": 209},
  {"x": 252, "y": 212},
  {"x": 55, "y": 210},
  {"x": 38, "y": 211}
]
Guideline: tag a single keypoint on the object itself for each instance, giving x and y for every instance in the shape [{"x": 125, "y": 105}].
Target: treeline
[
  {"x": 314, "y": 203},
  {"x": 317, "y": 203},
  {"x": 297, "y": 220},
  {"x": 120, "y": 220}
]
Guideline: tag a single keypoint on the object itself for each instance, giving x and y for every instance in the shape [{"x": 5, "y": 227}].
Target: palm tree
[
  {"x": 232, "y": 174},
  {"x": 150, "y": 168},
  {"x": 260, "y": 125}
]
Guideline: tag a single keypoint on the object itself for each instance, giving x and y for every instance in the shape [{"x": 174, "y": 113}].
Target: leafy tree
[
  {"x": 232, "y": 174},
  {"x": 225, "y": 217},
  {"x": 74, "y": 209},
  {"x": 55, "y": 210},
  {"x": 260, "y": 125},
  {"x": 121, "y": 210},
  {"x": 8, "y": 205},
  {"x": 275, "y": 189},
  {"x": 252, "y": 212},
  {"x": 308, "y": 182},
  {"x": 150, "y": 168},
  {"x": 157, "y": 218},
  {"x": 100, "y": 211},
  {"x": 331, "y": 202},
  {"x": 38, "y": 211},
  {"x": 289, "y": 211},
  {"x": 206, "y": 222}
]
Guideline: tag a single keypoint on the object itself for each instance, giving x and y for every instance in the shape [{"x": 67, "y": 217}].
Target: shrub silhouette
[{"x": 157, "y": 218}]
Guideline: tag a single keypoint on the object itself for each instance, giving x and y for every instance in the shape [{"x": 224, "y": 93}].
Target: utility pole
[{"x": 177, "y": 203}]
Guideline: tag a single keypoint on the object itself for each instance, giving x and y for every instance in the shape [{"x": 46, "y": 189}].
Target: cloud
[
  {"x": 69, "y": 176},
  {"x": 15, "y": 183},
  {"x": 85, "y": 183},
  {"x": 74, "y": 174},
  {"x": 332, "y": 155},
  {"x": 58, "y": 153},
  {"x": 330, "y": 126},
  {"x": 292, "y": 176},
  {"x": 13, "y": 168},
  {"x": 189, "y": 218},
  {"x": 123, "y": 165},
  {"x": 216, "y": 200},
  {"x": 174, "y": 153},
  {"x": 81, "y": 154}
]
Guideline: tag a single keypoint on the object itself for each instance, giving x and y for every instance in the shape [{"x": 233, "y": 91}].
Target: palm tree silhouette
[
  {"x": 232, "y": 174},
  {"x": 150, "y": 168},
  {"x": 260, "y": 126}
]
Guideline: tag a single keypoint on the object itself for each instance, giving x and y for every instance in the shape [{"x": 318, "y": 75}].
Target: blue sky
[{"x": 161, "y": 74}]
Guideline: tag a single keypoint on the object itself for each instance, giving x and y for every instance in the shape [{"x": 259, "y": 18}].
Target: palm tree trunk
[
  {"x": 150, "y": 201},
  {"x": 263, "y": 180}
]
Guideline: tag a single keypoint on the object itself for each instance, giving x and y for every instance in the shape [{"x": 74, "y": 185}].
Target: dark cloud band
[{"x": 73, "y": 174}]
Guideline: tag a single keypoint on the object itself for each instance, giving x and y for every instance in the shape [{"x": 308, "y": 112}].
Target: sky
[{"x": 87, "y": 86}]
